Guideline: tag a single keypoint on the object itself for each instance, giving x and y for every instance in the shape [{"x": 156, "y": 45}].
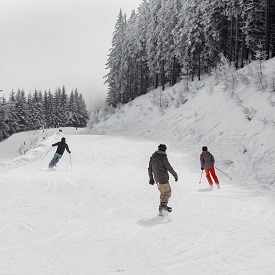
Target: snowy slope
[
  {"x": 13, "y": 149},
  {"x": 230, "y": 112},
  {"x": 97, "y": 214}
]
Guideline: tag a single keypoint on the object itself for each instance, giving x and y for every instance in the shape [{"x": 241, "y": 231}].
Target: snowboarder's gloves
[
  {"x": 151, "y": 181},
  {"x": 176, "y": 178},
  {"x": 202, "y": 168}
]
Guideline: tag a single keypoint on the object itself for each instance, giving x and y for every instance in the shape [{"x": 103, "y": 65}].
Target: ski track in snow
[{"x": 100, "y": 217}]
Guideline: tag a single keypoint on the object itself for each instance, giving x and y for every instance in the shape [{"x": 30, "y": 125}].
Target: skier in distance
[
  {"x": 61, "y": 146},
  {"x": 207, "y": 164},
  {"x": 158, "y": 169}
]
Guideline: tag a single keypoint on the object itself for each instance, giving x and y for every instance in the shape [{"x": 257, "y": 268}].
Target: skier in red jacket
[{"x": 207, "y": 164}]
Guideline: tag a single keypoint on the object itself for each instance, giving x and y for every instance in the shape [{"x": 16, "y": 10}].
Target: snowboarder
[
  {"x": 207, "y": 164},
  {"x": 158, "y": 169},
  {"x": 61, "y": 146}
]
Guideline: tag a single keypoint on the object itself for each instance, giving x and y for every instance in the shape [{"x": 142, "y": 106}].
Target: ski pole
[
  {"x": 223, "y": 172},
  {"x": 201, "y": 176},
  {"x": 46, "y": 154},
  {"x": 71, "y": 161}
]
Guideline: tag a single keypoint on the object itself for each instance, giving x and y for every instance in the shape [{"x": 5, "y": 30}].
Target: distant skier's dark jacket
[
  {"x": 207, "y": 159},
  {"x": 159, "y": 166},
  {"x": 61, "y": 146}
]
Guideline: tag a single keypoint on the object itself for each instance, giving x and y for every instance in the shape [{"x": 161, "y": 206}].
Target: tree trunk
[
  {"x": 267, "y": 29},
  {"x": 199, "y": 64},
  {"x": 231, "y": 39},
  {"x": 243, "y": 44},
  {"x": 236, "y": 58},
  {"x": 162, "y": 75},
  {"x": 156, "y": 80}
]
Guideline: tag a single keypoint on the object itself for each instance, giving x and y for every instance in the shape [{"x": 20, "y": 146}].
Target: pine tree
[
  {"x": 21, "y": 111},
  {"x": 73, "y": 114},
  {"x": 4, "y": 130},
  {"x": 82, "y": 110},
  {"x": 152, "y": 42},
  {"x": 114, "y": 63},
  {"x": 142, "y": 58}
]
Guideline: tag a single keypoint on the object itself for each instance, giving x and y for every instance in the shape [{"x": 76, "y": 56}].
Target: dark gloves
[
  {"x": 202, "y": 168},
  {"x": 176, "y": 178},
  {"x": 151, "y": 181}
]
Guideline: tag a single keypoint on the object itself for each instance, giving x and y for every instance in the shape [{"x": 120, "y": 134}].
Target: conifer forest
[
  {"x": 165, "y": 41},
  {"x": 39, "y": 110}
]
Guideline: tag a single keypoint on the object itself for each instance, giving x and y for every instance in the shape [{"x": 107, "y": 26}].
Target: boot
[{"x": 164, "y": 207}]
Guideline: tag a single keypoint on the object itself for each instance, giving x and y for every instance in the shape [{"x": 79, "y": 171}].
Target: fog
[{"x": 50, "y": 43}]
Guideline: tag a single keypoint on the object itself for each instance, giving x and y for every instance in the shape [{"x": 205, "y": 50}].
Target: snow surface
[{"x": 97, "y": 214}]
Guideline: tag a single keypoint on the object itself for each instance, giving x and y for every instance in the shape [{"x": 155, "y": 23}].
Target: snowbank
[
  {"x": 231, "y": 112},
  {"x": 27, "y": 147}
]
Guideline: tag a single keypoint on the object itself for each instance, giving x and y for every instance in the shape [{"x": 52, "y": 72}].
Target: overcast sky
[{"x": 49, "y": 43}]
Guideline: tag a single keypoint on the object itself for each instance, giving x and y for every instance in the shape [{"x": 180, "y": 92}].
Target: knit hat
[
  {"x": 63, "y": 139},
  {"x": 162, "y": 147},
  {"x": 204, "y": 148}
]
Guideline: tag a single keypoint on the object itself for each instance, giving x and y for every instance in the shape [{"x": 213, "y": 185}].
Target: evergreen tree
[
  {"x": 81, "y": 109},
  {"x": 63, "y": 107},
  {"x": 152, "y": 42},
  {"x": 114, "y": 77},
  {"x": 4, "y": 130},
  {"x": 21, "y": 111},
  {"x": 73, "y": 114},
  {"x": 141, "y": 55}
]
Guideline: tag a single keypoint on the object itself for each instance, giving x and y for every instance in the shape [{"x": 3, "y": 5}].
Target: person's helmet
[
  {"x": 204, "y": 148},
  {"x": 63, "y": 139},
  {"x": 162, "y": 147}
]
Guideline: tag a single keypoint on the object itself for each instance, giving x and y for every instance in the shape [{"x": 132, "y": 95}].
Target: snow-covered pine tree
[
  {"x": 72, "y": 119},
  {"x": 195, "y": 37},
  {"x": 82, "y": 110},
  {"x": 168, "y": 20},
  {"x": 21, "y": 111},
  {"x": 152, "y": 42},
  {"x": 57, "y": 108},
  {"x": 214, "y": 28},
  {"x": 255, "y": 26},
  {"x": 63, "y": 107},
  {"x": 4, "y": 130},
  {"x": 129, "y": 87},
  {"x": 142, "y": 58},
  {"x": 114, "y": 63},
  {"x": 49, "y": 110},
  {"x": 11, "y": 114},
  {"x": 35, "y": 110}
]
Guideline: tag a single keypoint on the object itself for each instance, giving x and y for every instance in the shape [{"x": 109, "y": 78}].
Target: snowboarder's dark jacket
[
  {"x": 61, "y": 146},
  {"x": 207, "y": 159},
  {"x": 159, "y": 166}
]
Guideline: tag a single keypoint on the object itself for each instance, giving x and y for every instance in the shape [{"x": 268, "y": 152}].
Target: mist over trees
[
  {"x": 39, "y": 110},
  {"x": 165, "y": 40}
]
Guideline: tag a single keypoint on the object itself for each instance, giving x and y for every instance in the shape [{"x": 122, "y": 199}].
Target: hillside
[{"x": 231, "y": 112}]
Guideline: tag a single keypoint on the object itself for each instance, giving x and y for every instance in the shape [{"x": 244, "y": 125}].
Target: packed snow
[{"x": 96, "y": 212}]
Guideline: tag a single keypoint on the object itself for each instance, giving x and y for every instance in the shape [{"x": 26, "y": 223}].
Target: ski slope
[{"x": 97, "y": 214}]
